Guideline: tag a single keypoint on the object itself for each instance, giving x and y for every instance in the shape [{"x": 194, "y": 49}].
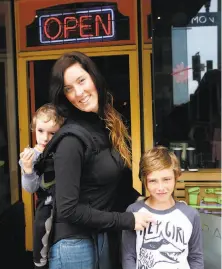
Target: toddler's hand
[{"x": 27, "y": 159}]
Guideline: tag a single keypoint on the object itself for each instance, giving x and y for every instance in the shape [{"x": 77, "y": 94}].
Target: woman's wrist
[{"x": 127, "y": 221}]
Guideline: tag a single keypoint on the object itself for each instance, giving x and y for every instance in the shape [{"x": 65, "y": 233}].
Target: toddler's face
[{"x": 44, "y": 132}]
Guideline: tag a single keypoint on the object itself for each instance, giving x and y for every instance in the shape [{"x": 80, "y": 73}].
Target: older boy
[{"x": 174, "y": 240}]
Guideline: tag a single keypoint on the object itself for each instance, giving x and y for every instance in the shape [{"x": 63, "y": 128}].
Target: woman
[{"x": 86, "y": 193}]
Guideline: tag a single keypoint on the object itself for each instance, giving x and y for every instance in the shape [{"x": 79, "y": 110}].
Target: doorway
[
  {"x": 114, "y": 68},
  {"x": 119, "y": 66}
]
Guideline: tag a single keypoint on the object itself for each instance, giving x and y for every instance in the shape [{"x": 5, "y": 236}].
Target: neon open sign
[{"x": 93, "y": 24}]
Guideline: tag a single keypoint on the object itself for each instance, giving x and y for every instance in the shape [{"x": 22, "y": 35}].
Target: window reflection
[{"x": 187, "y": 78}]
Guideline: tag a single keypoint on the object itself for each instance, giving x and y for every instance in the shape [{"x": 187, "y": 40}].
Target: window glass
[{"x": 187, "y": 77}]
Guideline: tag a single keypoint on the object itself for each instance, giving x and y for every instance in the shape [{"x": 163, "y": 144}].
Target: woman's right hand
[{"x": 142, "y": 220}]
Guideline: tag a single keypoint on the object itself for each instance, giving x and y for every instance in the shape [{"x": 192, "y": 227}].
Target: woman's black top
[{"x": 86, "y": 193}]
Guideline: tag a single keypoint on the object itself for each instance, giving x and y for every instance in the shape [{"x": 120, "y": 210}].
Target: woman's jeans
[{"x": 80, "y": 254}]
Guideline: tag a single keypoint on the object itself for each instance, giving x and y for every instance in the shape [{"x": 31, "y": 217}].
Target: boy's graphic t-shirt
[{"x": 173, "y": 242}]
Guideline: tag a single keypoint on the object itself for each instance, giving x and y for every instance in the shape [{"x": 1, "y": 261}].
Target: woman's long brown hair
[{"x": 119, "y": 135}]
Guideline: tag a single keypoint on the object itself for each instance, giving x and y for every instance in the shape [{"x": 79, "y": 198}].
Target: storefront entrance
[
  {"x": 115, "y": 35},
  {"x": 120, "y": 70}
]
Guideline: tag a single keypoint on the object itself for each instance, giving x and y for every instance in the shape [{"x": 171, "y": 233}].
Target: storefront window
[
  {"x": 187, "y": 77},
  {"x": 8, "y": 123}
]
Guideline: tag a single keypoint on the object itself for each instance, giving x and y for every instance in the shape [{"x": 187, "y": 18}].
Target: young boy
[
  {"x": 174, "y": 241},
  {"x": 45, "y": 123}
]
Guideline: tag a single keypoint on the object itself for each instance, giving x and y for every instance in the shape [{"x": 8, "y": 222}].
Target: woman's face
[{"x": 79, "y": 89}]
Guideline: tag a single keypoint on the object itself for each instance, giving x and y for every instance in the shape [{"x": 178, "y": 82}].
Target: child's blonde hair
[
  {"x": 46, "y": 113},
  {"x": 157, "y": 159}
]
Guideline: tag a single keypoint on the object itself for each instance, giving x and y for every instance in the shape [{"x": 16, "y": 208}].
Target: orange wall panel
[{"x": 146, "y": 10}]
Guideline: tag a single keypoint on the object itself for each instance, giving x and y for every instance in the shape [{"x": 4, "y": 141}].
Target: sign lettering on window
[{"x": 79, "y": 26}]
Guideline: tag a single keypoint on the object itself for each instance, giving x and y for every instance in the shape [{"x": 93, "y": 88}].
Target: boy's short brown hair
[
  {"x": 47, "y": 112},
  {"x": 157, "y": 159}
]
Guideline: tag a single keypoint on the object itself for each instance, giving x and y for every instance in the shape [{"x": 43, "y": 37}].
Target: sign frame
[{"x": 89, "y": 11}]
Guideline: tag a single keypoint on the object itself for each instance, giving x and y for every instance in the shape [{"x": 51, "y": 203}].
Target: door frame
[
  {"x": 147, "y": 98},
  {"x": 11, "y": 113},
  {"x": 24, "y": 113}
]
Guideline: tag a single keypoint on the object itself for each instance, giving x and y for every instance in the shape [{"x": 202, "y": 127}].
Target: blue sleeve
[
  {"x": 195, "y": 255},
  {"x": 129, "y": 248}
]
